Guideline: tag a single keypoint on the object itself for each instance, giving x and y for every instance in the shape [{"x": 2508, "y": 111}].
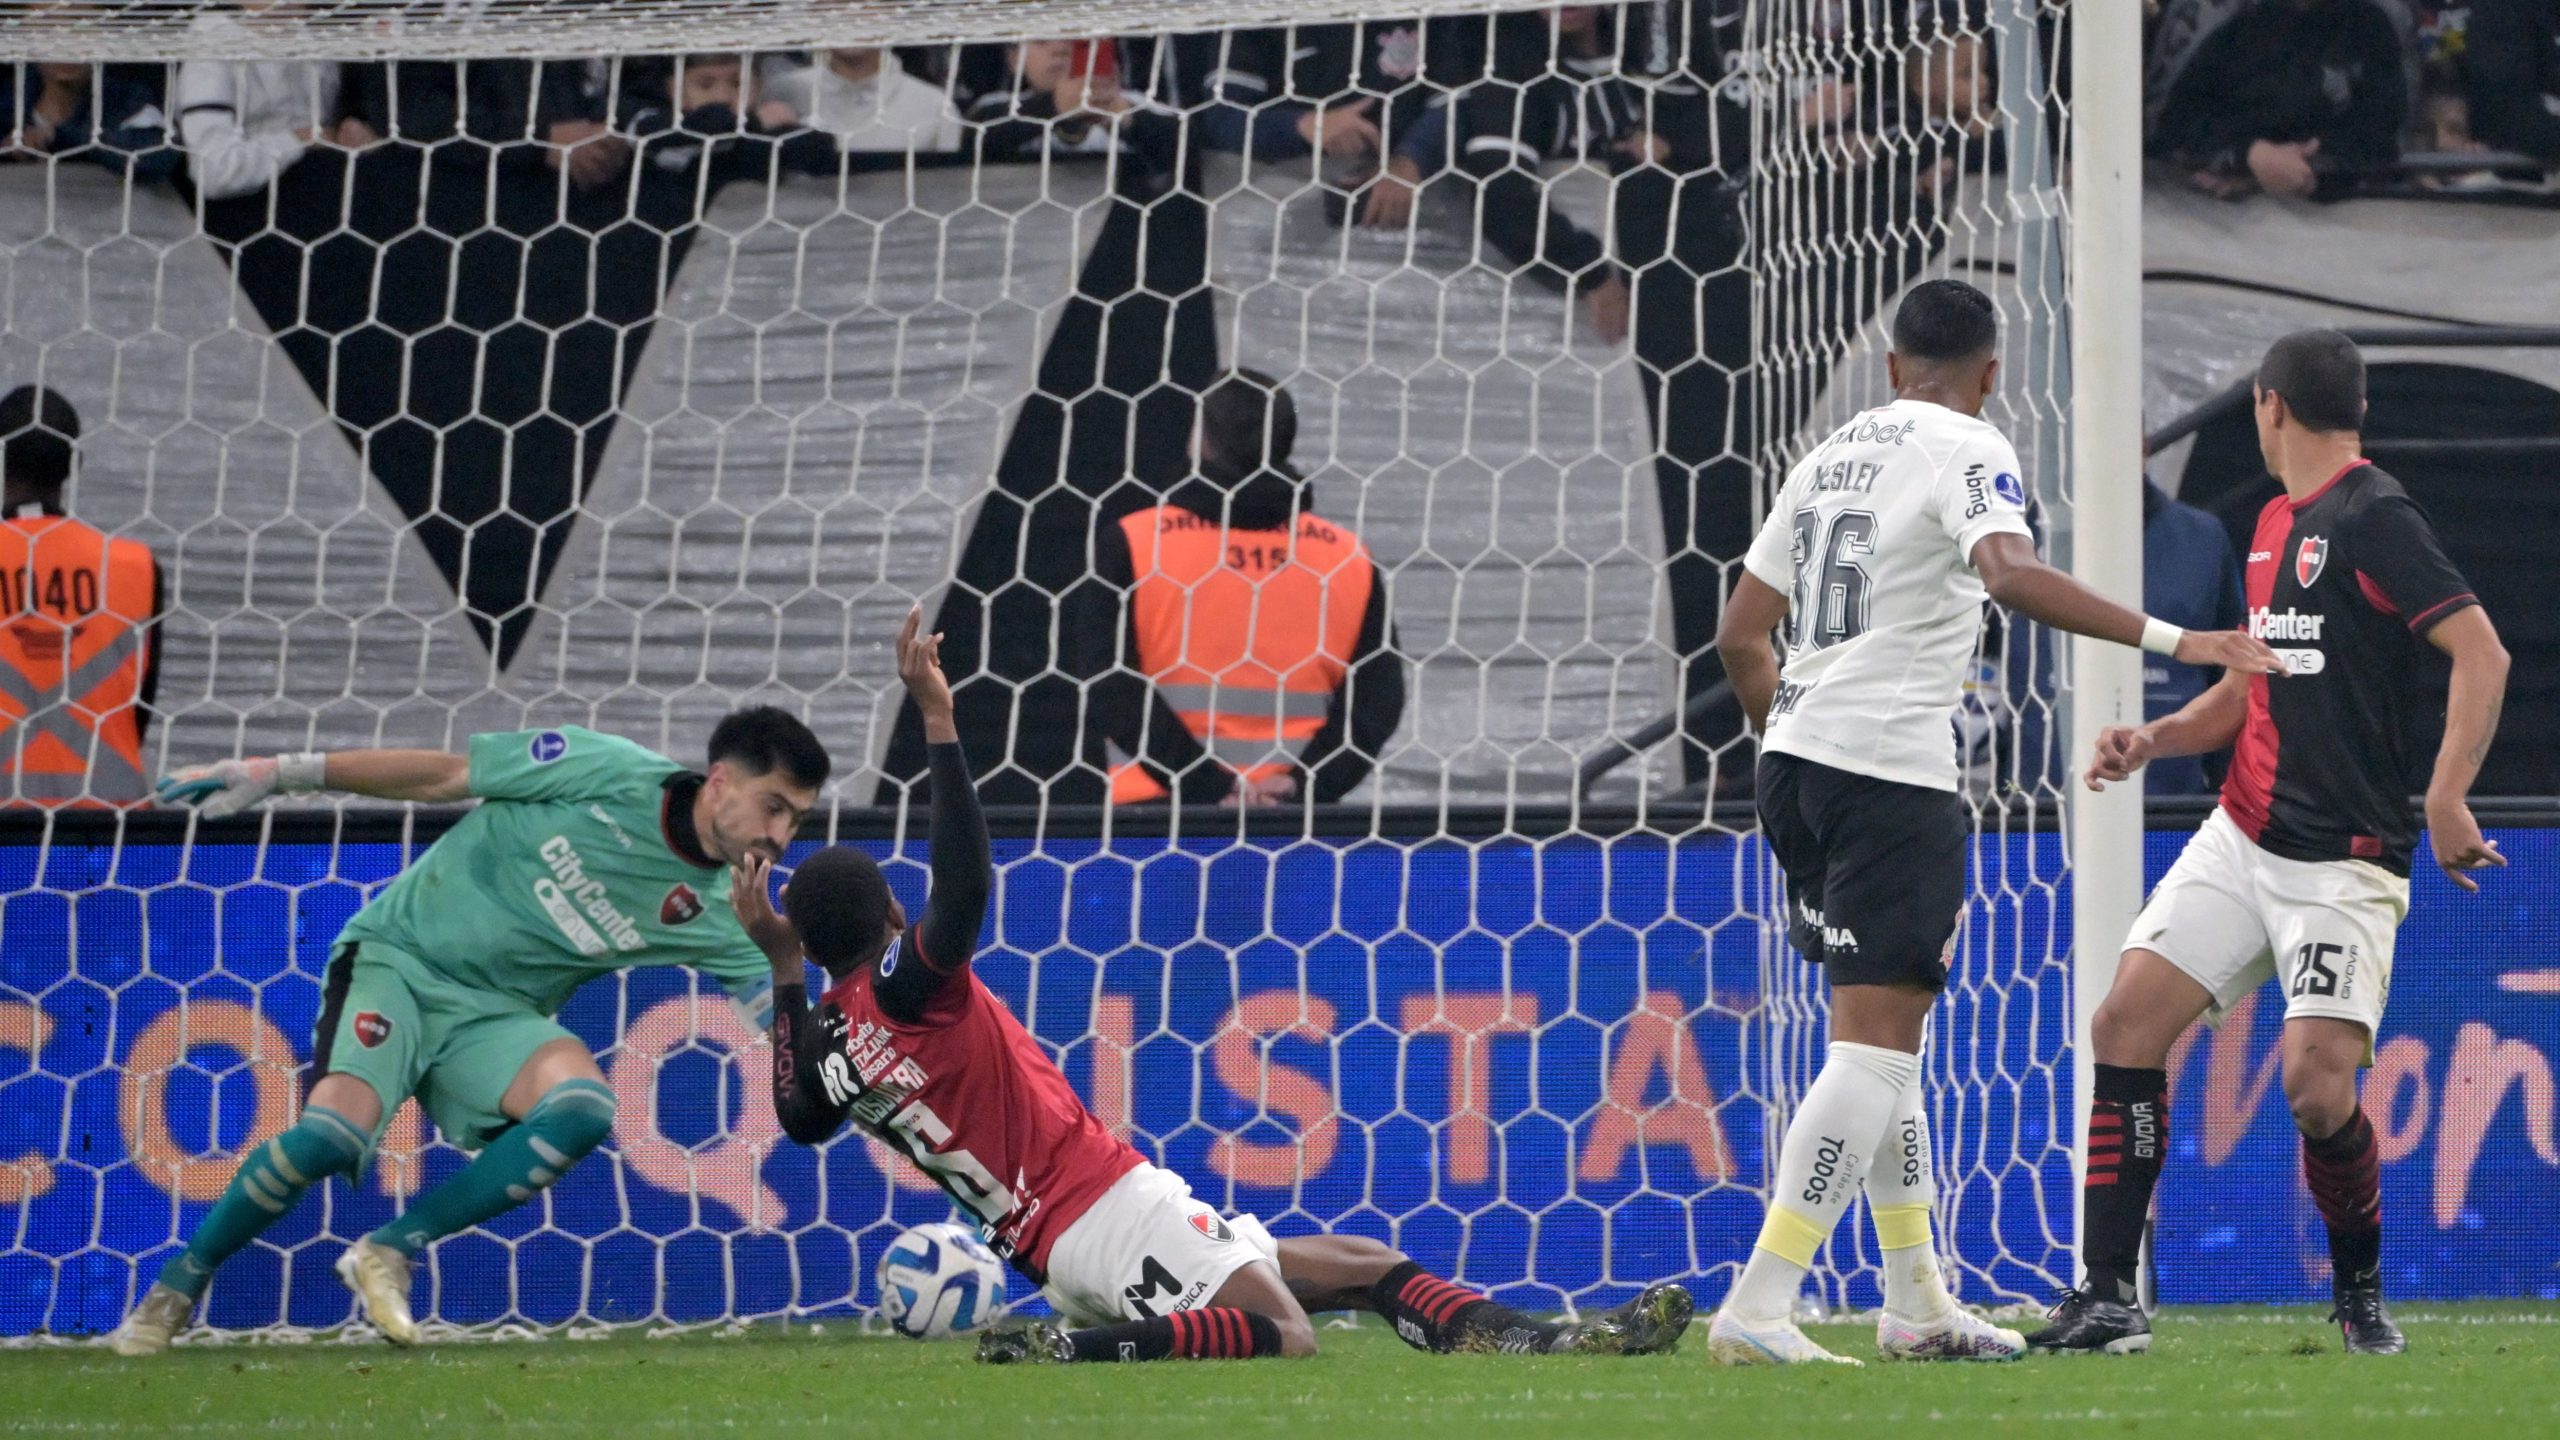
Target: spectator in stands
[
  {"x": 79, "y": 642},
  {"x": 535, "y": 114},
  {"x": 2511, "y": 73},
  {"x": 2293, "y": 97},
  {"x": 1242, "y": 641},
  {"x": 863, "y": 97},
  {"x": 2191, "y": 579},
  {"x": 1557, "y": 92},
  {"x": 245, "y": 122},
  {"x": 708, "y": 114},
  {"x": 1371, "y": 99},
  {"x": 1065, "y": 97},
  {"x": 106, "y": 114}
]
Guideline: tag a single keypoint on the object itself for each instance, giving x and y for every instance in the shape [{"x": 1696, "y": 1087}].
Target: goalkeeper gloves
[{"x": 227, "y": 787}]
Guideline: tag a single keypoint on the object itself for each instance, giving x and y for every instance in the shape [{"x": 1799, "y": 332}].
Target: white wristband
[
  {"x": 2159, "y": 636},
  {"x": 300, "y": 774}
]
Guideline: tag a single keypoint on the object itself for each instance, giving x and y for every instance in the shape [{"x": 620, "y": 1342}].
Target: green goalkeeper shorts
[{"x": 392, "y": 1022}]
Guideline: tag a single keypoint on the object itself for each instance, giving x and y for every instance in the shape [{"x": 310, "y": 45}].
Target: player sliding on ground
[
  {"x": 587, "y": 855},
  {"x": 910, "y": 1045},
  {"x": 2302, "y": 874},
  {"x": 1878, "y": 553}
]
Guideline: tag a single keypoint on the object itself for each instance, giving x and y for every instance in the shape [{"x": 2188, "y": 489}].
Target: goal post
[{"x": 2105, "y": 828}]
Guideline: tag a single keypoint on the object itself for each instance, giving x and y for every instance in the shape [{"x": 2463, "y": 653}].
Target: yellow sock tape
[
  {"x": 1790, "y": 1236},
  {"x": 1899, "y": 1227}
]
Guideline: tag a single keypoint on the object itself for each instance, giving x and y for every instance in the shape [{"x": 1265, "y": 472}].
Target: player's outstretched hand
[
  {"x": 920, "y": 665},
  {"x": 2122, "y": 749},
  {"x": 223, "y": 788},
  {"x": 751, "y": 897},
  {"x": 2230, "y": 649},
  {"x": 2459, "y": 845}
]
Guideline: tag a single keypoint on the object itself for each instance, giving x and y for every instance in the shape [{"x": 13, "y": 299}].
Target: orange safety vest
[
  {"x": 73, "y": 604},
  {"x": 1247, "y": 634}
]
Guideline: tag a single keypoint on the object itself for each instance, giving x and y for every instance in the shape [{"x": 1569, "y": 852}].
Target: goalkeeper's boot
[
  {"x": 1959, "y": 1334},
  {"x": 2086, "y": 1324},
  {"x": 1731, "y": 1341},
  {"x": 380, "y": 1277},
  {"x": 1033, "y": 1344},
  {"x": 2365, "y": 1324},
  {"x": 1650, "y": 1324},
  {"x": 154, "y": 1323}
]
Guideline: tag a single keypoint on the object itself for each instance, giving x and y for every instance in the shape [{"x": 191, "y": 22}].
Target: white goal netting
[{"x": 459, "y": 394}]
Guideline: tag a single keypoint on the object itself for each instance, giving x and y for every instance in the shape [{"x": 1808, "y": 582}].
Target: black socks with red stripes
[
  {"x": 1429, "y": 1313},
  {"x": 2128, "y": 1135},
  {"x": 2344, "y": 1173},
  {"x": 1220, "y": 1332}
]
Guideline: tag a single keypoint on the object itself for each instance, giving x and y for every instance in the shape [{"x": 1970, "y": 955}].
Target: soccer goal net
[{"x": 455, "y": 386}]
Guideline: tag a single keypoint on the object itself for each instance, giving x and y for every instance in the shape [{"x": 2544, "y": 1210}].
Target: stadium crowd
[{"x": 557, "y": 196}]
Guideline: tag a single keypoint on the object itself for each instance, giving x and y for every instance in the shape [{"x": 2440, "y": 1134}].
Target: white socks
[
  {"x": 1837, "y": 1131},
  {"x": 1902, "y": 1189}
]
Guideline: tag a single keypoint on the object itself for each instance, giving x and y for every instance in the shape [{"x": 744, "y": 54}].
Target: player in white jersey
[{"x": 1877, "y": 556}]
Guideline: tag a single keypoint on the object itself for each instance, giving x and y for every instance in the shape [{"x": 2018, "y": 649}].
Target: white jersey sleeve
[
  {"x": 1980, "y": 493},
  {"x": 1771, "y": 558}
]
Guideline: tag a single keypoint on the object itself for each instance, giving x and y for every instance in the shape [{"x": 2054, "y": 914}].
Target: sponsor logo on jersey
[
  {"x": 889, "y": 957},
  {"x": 580, "y": 905},
  {"x": 2257, "y": 557},
  {"x": 2010, "y": 488},
  {"x": 1868, "y": 430},
  {"x": 1977, "y": 491},
  {"x": 2311, "y": 559},
  {"x": 548, "y": 746},
  {"x": 372, "y": 1027},
  {"x": 2295, "y": 625},
  {"x": 680, "y": 905},
  {"x": 605, "y": 818},
  {"x": 2286, "y": 624},
  {"x": 1207, "y": 1223}
]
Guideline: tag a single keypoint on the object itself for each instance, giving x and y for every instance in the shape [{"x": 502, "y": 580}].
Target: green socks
[
  {"x": 269, "y": 1181},
  {"x": 573, "y": 1118}
]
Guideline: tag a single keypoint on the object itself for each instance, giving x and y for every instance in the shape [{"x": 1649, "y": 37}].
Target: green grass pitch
[{"x": 2233, "y": 1375}]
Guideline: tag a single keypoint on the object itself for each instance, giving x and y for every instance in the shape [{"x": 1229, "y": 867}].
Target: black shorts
[{"x": 1875, "y": 870}]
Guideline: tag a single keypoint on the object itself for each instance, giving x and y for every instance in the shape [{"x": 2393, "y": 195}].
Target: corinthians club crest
[{"x": 2311, "y": 559}]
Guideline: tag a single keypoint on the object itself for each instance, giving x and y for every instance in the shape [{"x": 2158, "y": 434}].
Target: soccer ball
[{"x": 939, "y": 1280}]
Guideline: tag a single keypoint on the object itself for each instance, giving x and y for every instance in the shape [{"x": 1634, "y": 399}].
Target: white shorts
[
  {"x": 2232, "y": 916},
  {"x": 1148, "y": 1248}
]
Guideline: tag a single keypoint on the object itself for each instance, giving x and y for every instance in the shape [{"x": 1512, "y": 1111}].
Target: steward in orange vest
[
  {"x": 79, "y": 649},
  {"x": 1252, "y": 660}
]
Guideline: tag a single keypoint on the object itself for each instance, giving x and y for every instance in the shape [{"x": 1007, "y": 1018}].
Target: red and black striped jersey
[{"x": 2344, "y": 583}]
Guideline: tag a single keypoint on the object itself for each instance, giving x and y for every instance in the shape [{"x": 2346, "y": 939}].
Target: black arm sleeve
[
  {"x": 1123, "y": 708},
  {"x": 1366, "y": 709},
  {"x": 964, "y": 871},
  {"x": 800, "y": 1099},
  {"x": 2502, "y": 69},
  {"x": 2397, "y": 555},
  {"x": 1503, "y": 133}
]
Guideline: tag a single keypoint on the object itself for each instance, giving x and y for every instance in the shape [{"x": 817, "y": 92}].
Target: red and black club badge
[
  {"x": 372, "y": 1028},
  {"x": 680, "y": 905}
]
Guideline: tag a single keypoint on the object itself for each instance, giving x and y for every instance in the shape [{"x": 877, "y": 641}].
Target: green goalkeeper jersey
[{"x": 565, "y": 871}]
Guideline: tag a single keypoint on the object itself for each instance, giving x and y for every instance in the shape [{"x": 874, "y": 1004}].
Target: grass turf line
[{"x": 2228, "y": 1374}]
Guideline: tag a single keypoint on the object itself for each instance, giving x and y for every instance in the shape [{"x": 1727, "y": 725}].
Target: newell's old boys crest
[
  {"x": 1211, "y": 1226},
  {"x": 372, "y": 1028},
  {"x": 2311, "y": 559},
  {"x": 680, "y": 905}
]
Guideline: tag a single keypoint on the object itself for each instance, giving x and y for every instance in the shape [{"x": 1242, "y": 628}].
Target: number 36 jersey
[{"x": 1871, "y": 539}]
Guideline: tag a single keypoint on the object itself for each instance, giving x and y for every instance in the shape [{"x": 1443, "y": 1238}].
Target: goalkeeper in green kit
[{"x": 587, "y": 855}]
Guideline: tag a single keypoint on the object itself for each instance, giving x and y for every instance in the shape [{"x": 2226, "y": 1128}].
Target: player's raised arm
[
  {"x": 963, "y": 868},
  {"x": 2019, "y": 580},
  {"x": 227, "y": 787},
  {"x": 808, "y": 1110}
]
